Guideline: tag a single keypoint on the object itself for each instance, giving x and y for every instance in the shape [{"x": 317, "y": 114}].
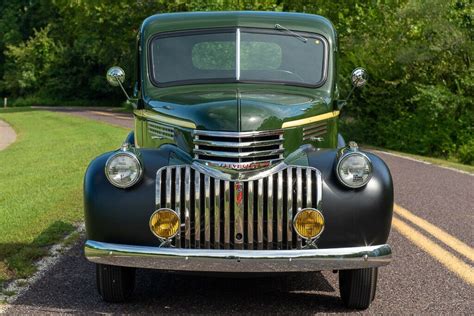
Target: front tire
[
  {"x": 358, "y": 287},
  {"x": 115, "y": 284}
]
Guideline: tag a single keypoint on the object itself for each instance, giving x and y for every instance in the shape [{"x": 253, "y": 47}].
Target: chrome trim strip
[
  {"x": 270, "y": 212},
  {"x": 228, "y": 154},
  {"x": 309, "y": 186},
  {"x": 253, "y": 144},
  {"x": 260, "y": 214},
  {"x": 197, "y": 209},
  {"x": 168, "y": 187},
  {"x": 239, "y": 215},
  {"x": 258, "y": 261},
  {"x": 187, "y": 206},
  {"x": 217, "y": 213},
  {"x": 251, "y": 193},
  {"x": 227, "y": 214},
  {"x": 177, "y": 197},
  {"x": 299, "y": 202},
  {"x": 238, "y": 134},
  {"x": 158, "y": 190},
  {"x": 237, "y": 54},
  {"x": 207, "y": 212},
  {"x": 289, "y": 217},
  {"x": 280, "y": 209}
]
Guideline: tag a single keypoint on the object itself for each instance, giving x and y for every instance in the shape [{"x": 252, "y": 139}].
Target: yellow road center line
[
  {"x": 463, "y": 270},
  {"x": 436, "y": 232}
]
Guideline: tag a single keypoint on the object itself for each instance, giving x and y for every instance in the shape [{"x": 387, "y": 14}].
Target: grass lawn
[{"x": 41, "y": 178}]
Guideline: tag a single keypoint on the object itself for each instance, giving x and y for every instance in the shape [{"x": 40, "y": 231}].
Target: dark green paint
[{"x": 238, "y": 106}]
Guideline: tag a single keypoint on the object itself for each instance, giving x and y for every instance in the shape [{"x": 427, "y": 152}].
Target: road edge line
[
  {"x": 422, "y": 161},
  {"x": 21, "y": 286}
]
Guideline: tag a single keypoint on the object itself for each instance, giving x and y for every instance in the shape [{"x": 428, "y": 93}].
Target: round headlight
[
  {"x": 164, "y": 223},
  {"x": 354, "y": 169},
  {"x": 309, "y": 223},
  {"x": 123, "y": 169}
]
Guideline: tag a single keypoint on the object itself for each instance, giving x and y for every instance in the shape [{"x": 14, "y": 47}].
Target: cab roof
[{"x": 168, "y": 22}]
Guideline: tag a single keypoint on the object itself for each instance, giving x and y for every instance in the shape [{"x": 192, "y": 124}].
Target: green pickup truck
[{"x": 235, "y": 164}]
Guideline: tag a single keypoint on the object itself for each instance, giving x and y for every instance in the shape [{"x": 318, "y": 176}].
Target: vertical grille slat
[
  {"x": 299, "y": 200},
  {"x": 260, "y": 214},
  {"x": 270, "y": 212},
  {"x": 217, "y": 213},
  {"x": 250, "y": 205},
  {"x": 279, "y": 208},
  {"x": 226, "y": 214},
  {"x": 207, "y": 212},
  {"x": 289, "y": 220},
  {"x": 187, "y": 207},
  {"x": 256, "y": 214},
  {"x": 239, "y": 215},
  {"x": 177, "y": 198},
  {"x": 197, "y": 209}
]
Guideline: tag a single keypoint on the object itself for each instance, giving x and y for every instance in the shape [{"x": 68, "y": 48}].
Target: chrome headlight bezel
[
  {"x": 125, "y": 151},
  {"x": 346, "y": 154}
]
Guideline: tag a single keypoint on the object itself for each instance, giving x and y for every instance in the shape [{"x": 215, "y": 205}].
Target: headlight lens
[
  {"x": 123, "y": 169},
  {"x": 164, "y": 223},
  {"x": 309, "y": 223},
  {"x": 354, "y": 170}
]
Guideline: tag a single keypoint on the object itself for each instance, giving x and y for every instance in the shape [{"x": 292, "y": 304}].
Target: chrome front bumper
[{"x": 258, "y": 261}]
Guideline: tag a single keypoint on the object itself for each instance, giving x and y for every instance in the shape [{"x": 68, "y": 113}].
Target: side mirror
[
  {"x": 359, "y": 77},
  {"x": 116, "y": 77}
]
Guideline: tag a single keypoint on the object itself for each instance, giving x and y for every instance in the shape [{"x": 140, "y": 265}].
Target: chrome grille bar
[
  {"x": 207, "y": 210},
  {"x": 238, "y": 147},
  {"x": 250, "y": 208},
  {"x": 260, "y": 214},
  {"x": 270, "y": 212},
  {"x": 197, "y": 209},
  {"x": 217, "y": 213},
  {"x": 255, "y": 214},
  {"x": 187, "y": 206}
]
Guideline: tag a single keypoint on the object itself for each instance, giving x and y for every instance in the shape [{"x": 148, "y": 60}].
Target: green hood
[{"x": 238, "y": 108}]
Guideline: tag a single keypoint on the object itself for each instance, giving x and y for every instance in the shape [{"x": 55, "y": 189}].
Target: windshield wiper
[{"x": 280, "y": 27}]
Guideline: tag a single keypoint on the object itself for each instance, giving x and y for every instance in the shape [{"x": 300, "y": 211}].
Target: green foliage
[
  {"x": 418, "y": 54},
  {"x": 51, "y": 158}
]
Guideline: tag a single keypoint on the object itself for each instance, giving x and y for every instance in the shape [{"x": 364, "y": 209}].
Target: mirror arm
[
  {"x": 123, "y": 89},
  {"x": 342, "y": 103}
]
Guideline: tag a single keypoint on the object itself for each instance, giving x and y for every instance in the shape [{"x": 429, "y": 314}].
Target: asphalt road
[{"x": 432, "y": 269}]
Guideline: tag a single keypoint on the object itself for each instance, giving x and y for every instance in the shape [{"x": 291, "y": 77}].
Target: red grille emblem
[{"x": 239, "y": 196}]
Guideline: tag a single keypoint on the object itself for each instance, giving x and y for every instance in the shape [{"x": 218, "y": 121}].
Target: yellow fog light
[
  {"x": 164, "y": 223},
  {"x": 309, "y": 223}
]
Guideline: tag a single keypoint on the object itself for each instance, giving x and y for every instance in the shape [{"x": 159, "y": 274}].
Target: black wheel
[
  {"x": 357, "y": 287},
  {"x": 115, "y": 284}
]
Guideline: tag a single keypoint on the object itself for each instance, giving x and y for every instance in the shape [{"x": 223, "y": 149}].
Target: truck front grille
[
  {"x": 221, "y": 214},
  {"x": 238, "y": 148}
]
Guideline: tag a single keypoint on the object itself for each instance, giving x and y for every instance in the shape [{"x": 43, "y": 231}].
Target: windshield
[{"x": 238, "y": 55}]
